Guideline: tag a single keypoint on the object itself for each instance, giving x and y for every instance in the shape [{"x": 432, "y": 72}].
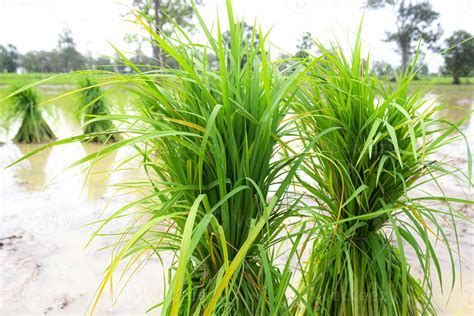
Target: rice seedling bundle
[
  {"x": 94, "y": 108},
  {"x": 33, "y": 128},
  {"x": 207, "y": 139},
  {"x": 375, "y": 146}
]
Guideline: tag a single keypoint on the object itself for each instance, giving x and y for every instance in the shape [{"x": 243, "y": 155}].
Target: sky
[{"x": 95, "y": 24}]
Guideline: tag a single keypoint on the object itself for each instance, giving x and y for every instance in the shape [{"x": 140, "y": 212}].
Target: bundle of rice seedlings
[
  {"x": 94, "y": 108},
  {"x": 374, "y": 150},
  {"x": 33, "y": 128},
  {"x": 208, "y": 139}
]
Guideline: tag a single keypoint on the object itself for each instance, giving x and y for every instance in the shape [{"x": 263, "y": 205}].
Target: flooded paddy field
[
  {"x": 47, "y": 208},
  {"x": 45, "y": 219}
]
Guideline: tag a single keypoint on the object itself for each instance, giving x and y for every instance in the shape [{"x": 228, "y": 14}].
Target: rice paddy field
[
  {"x": 237, "y": 189},
  {"x": 45, "y": 267}
]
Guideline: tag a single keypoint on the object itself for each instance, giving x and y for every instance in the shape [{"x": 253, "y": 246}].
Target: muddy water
[
  {"x": 45, "y": 209},
  {"x": 459, "y": 301}
]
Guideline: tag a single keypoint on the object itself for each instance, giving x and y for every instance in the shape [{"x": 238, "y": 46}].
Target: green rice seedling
[
  {"x": 371, "y": 161},
  {"x": 33, "y": 128},
  {"x": 207, "y": 138},
  {"x": 94, "y": 108}
]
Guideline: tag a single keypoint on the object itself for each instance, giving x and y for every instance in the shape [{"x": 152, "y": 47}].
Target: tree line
[{"x": 63, "y": 58}]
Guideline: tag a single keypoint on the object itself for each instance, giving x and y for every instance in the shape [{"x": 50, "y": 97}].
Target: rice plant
[
  {"x": 94, "y": 108},
  {"x": 207, "y": 138},
  {"x": 33, "y": 128},
  {"x": 366, "y": 177}
]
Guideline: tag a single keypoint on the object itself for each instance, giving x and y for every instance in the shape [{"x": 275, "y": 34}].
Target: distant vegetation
[
  {"x": 64, "y": 58},
  {"x": 414, "y": 20},
  {"x": 52, "y": 78},
  {"x": 459, "y": 57}
]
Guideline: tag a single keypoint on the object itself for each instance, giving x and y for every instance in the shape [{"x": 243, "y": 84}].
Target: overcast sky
[{"x": 35, "y": 24}]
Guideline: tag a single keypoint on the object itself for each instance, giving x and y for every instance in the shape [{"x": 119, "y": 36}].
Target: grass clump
[
  {"x": 374, "y": 149},
  {"x": 33, "y": 128},
  {"x": 94, "y": 110}
]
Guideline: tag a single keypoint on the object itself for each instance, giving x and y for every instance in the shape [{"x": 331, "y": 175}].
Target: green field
[
  {"x": 72, "y": 79},
  {"x": 50, "y": 89},
  {"x": 50, "y": 85},
  {"x": 442, "y": 81},
  {"x": 56, "y": 95},
  {"x": 18, "y": 80}
]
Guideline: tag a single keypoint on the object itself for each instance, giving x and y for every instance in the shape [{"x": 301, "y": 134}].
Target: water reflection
[
  {"x": 49, "y": 170},
  {"x": 457, "y": 110},
  {"x": 98, "y": 172},
  {"x": 460, "y": 102},
  {"x": 31, "y": 175}
]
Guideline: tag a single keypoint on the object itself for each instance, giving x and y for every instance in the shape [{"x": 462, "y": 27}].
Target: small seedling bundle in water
[
  {"x": 94, "y": 110},
  {"x": 33, "y": 128}
]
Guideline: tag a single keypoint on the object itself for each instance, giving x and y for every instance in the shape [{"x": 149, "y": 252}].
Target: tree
[
  {"x": 248, "y": 33},
  {"x": 414, "y": 20},
  {"x": 41, "y": 61},
  {"x": 64, "y": 58},
  {"x": 99, "y": 62},
  {"x": 160, "y": 12},
  {"x": 65, "y": 39},
  {"x": 383, "y": 69},
  {"x": 305, "y": 45},
  {"x": 288, "y": 63},
  {"x": 459, "y": 57},
  {"x": 8, "y": 58},
  {"x": 70, "y": 59}
]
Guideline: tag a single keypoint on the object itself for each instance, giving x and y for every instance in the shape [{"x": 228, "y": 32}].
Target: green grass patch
[
  {"x": 208, "y": 141},
  {"x": 444, "y": 81},
  {"x": 51, "y": 79},
  {"x": 22, "y": 79}
]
